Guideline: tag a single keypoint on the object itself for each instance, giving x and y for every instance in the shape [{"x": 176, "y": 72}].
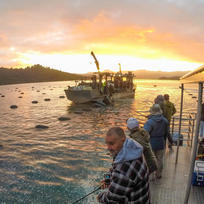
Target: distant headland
[
  {"x": 35, "y": 73},
  {"x": 39, "y": 73}
]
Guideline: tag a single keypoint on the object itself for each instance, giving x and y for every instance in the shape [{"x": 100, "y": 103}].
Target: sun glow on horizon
[{"x": 83, "y": 63}]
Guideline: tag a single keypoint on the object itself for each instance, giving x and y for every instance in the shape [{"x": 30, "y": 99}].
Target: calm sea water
[{"x": 66, "y": 161}]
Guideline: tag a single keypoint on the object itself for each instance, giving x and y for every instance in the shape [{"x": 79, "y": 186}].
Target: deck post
[
  {"x": 180, "y": 120},
  {"x": 195, "y": 142},
  {"x": 172, "y": 126},
  {"x": 192, "y": 131}
]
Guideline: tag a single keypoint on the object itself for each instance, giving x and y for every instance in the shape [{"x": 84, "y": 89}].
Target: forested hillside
[{"x": 36, "y": 73}]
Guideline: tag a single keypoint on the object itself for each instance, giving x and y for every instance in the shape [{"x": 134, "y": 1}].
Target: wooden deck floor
[{"x": 170, "y": 189}]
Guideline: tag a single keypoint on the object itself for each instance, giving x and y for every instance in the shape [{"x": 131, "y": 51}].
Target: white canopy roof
[{"x": 194, "y": 76}]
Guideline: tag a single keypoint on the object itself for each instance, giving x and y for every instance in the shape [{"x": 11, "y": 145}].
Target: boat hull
[
  {"x": 82, "y": 96},
  {"x": 125, "y": 94},
  {"x": 85, "y": 96}
]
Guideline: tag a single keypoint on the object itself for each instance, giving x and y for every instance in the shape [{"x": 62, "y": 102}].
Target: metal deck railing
[{"x": 187, "y": 127}]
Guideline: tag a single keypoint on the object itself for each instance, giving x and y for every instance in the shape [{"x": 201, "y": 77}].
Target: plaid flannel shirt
[{"x": 129, "y": 184}]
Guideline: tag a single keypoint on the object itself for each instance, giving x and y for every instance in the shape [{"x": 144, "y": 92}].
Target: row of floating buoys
[
  {"x": 46, "y": 99},
  {"x": 35, "y": 102},
  {"x": 190, "y": 94},
  {"x": 46, "y": 127}
]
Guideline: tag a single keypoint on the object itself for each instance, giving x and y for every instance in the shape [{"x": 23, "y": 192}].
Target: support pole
[
  {"x": 192, "y": 131},
  {"x": 195, "y": 142},
  {"x": 172, "y": 126},
  {"x": 180, "y": 120}
]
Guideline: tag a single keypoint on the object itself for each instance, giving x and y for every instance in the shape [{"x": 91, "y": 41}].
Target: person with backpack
[
  {"x": 158, "y": 128},
  {"x": 141, "y": 136}
]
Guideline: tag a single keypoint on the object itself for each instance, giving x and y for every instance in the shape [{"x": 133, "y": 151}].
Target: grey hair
[{"x": 116, "y": 130}]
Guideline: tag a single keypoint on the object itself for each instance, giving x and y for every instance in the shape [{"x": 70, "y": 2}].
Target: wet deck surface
[{"x": 170, "y": 189}]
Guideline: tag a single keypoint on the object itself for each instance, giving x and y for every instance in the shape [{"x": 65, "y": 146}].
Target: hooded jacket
[
  {"x": 129, "y": 177},
  {"x": 158, "y": 128},
  {"x": 142, "y": 136}
]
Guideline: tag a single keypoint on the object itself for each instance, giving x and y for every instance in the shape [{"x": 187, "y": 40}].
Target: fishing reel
[{"x": 107, "y": 178}]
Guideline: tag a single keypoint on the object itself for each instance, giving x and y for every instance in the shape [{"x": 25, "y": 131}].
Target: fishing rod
[
  {"x": 87, "y": 195},
  {"x": 106, "y": 182}
]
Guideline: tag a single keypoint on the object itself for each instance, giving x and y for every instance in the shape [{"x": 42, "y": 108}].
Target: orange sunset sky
[{"x": 165, "y": 35}]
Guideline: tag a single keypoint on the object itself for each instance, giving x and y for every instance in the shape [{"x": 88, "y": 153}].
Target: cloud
[{"x": 145, "y": 29}]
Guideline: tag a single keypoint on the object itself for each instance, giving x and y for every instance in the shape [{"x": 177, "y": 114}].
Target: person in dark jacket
[
  {"x": 158, "y": 128},
  {"x": 167, "y": 112},
  {"x": 129, "y": 180}
]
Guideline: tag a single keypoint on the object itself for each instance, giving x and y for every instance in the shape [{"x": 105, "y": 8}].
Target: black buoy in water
[
  {"x": 41, "y": 126},
  {"x": 13, "y": 106},
  {"x": 64, "y": 118}
]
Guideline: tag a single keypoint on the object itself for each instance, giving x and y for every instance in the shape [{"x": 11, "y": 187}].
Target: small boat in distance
[{"x": 103, "y": 87}]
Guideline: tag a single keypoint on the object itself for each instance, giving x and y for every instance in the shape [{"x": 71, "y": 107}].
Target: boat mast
[
  {"x": 98, "y": 68},
  {"x": 120, "y": 68},
  {"x": 96, "y": 61}
]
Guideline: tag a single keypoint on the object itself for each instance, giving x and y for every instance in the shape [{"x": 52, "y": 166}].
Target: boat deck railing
[{"x": 187, "y": 127}]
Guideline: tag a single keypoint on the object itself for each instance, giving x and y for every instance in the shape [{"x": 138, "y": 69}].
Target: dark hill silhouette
[
  {"x": 38, "y": 73},
  {"x": 145, "y": 74},
  {"x": 35, "y": 73}
]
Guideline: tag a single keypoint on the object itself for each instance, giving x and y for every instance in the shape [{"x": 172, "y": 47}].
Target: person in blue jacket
[{"x": 158, "y": 127}]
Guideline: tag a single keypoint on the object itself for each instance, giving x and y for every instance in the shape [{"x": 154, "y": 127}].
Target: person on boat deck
[
  {"x": 104, "y": 87},
  {"x": 129, "y": 180},
  {"x": 158, "y": 128},
  {"x": 140, "y": 135},
  {"x": 94, "y": 82},
  {"x": 161, "y": 101},
  {"x": 170, "y": 109}
]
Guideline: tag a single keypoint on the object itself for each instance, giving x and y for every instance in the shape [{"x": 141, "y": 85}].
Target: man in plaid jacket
[{"x": 129, "y": 181}]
